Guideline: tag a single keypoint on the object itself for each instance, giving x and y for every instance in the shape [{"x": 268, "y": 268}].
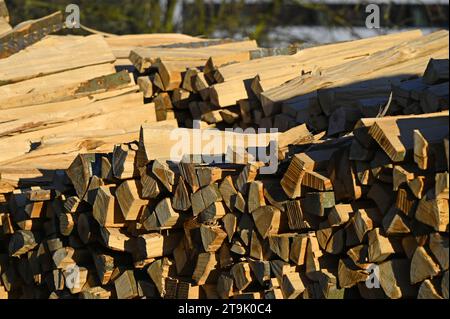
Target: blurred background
[{"x": 271, "y": 22}]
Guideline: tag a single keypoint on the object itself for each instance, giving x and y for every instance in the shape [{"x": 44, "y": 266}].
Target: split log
[
  {"x": 422, "y": 266},
  {"x": 106, "y": 209},
  {"x": 212, "y": 237},
  {"x": 127, "y": 195},
  {"x": 126, "y": 286},
  {"x": 292, "y": 286},
  {"x": 242, "y": 275},
  {"x": 267, "y": 220}
]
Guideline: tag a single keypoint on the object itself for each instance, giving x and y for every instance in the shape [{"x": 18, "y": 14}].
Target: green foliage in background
[
  {"x": 227, "y": 19},
  {"x": 149, "y": 16}
]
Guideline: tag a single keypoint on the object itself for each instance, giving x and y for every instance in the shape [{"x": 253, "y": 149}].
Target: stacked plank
[
  {"x": 58, "y": 104},
  {"x": 425, "y": 94},
  {"x": 173, "y": 71},
  {"x": 65, "y": 95},
  {"x": 244, "y": 86},
  {"x": 335, "y": 99},
  {"x": 122, "y": 45}
]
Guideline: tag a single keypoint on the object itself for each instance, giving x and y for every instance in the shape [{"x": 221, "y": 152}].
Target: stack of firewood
[
  {"x": 347, "y": 212},
  {"x": 327, "y": 87},
  {"x": 381, "y": 199},
  {"x": 99, "y": 200},
  {"x": 112, "y": 217},
  {"x": 178, "y": 77}
]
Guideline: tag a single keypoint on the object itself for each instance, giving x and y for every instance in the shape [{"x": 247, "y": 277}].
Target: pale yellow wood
[
  {"x": 122, "y": 45},
  {"x": 384, "y": 63},
  {"x": 4, "y": 26},
  {"x": 129, "y": 122},
  {"x": 51, "y": 87},
  {"x": 143, "y": 58},
  {"x": 47, "y": 59}
]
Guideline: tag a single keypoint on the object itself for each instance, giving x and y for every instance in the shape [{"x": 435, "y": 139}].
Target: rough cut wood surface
[{"x": 103, "y": 166}]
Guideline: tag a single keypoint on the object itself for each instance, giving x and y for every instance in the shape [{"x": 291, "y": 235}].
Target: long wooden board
[
  {"x": 29, "y": 32},
  {"x": 43, "y": 59}
]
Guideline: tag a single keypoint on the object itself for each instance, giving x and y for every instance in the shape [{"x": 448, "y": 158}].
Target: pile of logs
[
  {"x": 371, "y": 204},
  {"x": 133, "y": 226},
  {"x": 93, "y": 203},
  {"x": 327, "y": 87},
  {"x": 65, "y": 95},
  {"x": 381, "y": 198}
]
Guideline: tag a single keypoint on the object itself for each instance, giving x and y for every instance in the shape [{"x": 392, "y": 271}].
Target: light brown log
[
  {"x": 295, "y": 216},
  {"x": 126, "y": 286},
  {"x": 349, "y": 275},
  {"x": 127, "y": 195},
  {"x": 433, "y": 212},
  {"x": 116, "y": 239},
  {"x": 167, "y": 217},
  {"x": 298, "y": 249},
  {"x": 181, "y": 200},
  {"x": 159, "y": 271},
  {"x": 247, "y": 175},
  {"x": 230, "y": 195},
  {"x": 230, "y": 224},
  {"x": 123, "y": 159},
  {"x": 267, "y": 220},
  {"x": 439, "y": 248},
  {"x": 279, "y": 245},
  {"x": 106, "y": 209},
  {"x": 255, "y": 196},
  {"x": 292, "y": 286},
  {"x": 242, "y": 275},
  {"x": 428, "y": 291},
  {"x": 165, "y": 175},
  {"x": 395, "y": 223},
  {"x": 364, "y": 221},
  {"x": 394, "y": 279},
  {"x": 380, "y": 247},
  {"x": 145, "y": 86},
  {"x": 212, "y": 237},
  {"x": 340, "y": 214},
  {"x": 208, "y": 175},
  {"x": 156, "y": 245},
  {"x": 422, "y": 266},
  {"x": 204, "y": 198},
  {"x": 206, "y": 262},
  {"x": 80, "y": 172}
]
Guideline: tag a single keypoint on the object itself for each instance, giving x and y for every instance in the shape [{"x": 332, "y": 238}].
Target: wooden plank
[
  {"x": 167, "y": 145},
  {"x": 122, "y": 45},
  {"x": 45, "y": 59},
  {"x": 144, "y": 58},
  {"x": 55, "y": 87},
  {"x": 376, "y": 65},
  {"x": 29, "y": 32}
]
